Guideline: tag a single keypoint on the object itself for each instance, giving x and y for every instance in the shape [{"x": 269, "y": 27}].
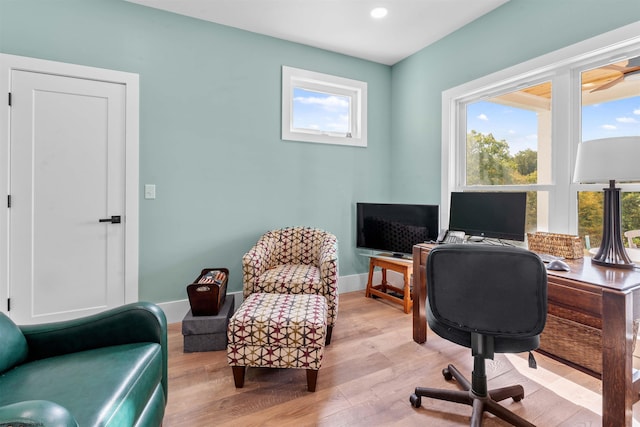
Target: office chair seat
[{"x": 491, "y": 299}]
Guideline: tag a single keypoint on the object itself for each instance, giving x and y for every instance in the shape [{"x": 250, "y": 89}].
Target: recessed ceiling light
[{"x": 379, "y": 12}]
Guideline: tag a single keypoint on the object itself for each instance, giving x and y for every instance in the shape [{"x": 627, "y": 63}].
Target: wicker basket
[
  {"x": 578, "y": 343},
  {"x": 564, "y": 245}
]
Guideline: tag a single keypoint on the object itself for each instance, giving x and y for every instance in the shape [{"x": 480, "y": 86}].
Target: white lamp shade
[{"x": 603, "y": 160}]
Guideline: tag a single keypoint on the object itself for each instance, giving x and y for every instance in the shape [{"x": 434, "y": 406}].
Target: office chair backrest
[{"x": 496, "y": 291}]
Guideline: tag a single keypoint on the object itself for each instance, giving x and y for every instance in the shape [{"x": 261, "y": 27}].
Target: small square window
[{"x": 323, "y": 108}]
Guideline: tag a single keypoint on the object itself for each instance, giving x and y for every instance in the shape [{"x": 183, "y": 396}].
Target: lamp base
[
  {"x": 628, "y": 266},
  {"x": 612, "y": 252}
]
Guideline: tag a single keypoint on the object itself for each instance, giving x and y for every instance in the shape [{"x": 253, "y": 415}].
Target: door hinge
[
  {"x": 9, "y": 200},
  {"x": 9, "y": 98}
]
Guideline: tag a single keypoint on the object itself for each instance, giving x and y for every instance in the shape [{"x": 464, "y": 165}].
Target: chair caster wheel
[
  {"x": 415, "y": 400},
  {"x": 518, "y": 398},
  {"x": 447, "y": 374}
]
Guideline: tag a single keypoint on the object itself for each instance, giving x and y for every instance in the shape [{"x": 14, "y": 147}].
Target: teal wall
[
  {"x": 210, "y": 119},
  {"x": 210, "y": 100},
  {"x": 513, "y": 33}
]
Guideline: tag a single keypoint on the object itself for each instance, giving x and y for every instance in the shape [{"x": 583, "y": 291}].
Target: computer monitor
[{"x": 497, "y": 215}]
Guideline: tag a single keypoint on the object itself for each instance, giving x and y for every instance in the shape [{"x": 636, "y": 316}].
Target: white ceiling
[{"x": 343, "y": 26}]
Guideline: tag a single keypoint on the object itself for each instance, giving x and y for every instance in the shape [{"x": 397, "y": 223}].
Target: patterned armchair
[{"x": 295, "y": 260}]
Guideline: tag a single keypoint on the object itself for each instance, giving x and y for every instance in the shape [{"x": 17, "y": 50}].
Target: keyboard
[
  {"x": 452, "y": 238},
  {"x": 548, "y": 257}
]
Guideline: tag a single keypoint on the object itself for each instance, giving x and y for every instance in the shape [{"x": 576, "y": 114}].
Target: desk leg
[
  {"x": 419, "y": 299},
  {"x": 617, "y": 358}
]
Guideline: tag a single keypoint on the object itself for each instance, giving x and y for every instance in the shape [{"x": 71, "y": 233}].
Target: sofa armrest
[
  {"x": 36, "y": 413},
  {"x": 130, "y": 323}
]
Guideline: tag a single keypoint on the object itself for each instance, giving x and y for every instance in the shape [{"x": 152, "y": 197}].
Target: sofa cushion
[
  {"x": 14, "y": 345},
  {"x": 108, "y": 386}
]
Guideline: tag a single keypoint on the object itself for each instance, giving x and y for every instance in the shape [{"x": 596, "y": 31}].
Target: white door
[{"x": 67, "y": 182}]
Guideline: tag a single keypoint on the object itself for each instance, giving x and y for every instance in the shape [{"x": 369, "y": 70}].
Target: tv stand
[{"x": 387, "y": 291}]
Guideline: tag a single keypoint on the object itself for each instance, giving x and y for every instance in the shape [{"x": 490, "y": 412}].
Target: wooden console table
[
  {"x": 402, "y": 266},
  {"x": 591, "y": 312}
]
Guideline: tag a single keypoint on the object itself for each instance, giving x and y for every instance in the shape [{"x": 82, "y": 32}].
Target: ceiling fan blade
[
  {"x": 631, "y": 70},
  {"x": 608, "y": 85},
  {"x": 614, "y": 67}
]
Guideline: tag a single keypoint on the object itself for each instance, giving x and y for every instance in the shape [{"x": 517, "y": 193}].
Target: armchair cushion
[{"x": 289, "y": 279}]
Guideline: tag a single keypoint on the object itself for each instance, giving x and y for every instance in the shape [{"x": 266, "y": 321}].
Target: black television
[
  {"x": 497, "y": 215},
  {"x": 395, "y": 228}
]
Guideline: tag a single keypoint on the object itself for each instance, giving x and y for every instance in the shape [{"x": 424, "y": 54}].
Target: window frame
[
  {"x": 325, "y": 83},
  {"x": 562, "y": 68}
]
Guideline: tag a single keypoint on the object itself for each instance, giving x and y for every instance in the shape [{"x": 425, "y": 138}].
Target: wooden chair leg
[
  {"x": 238, "y": 375},
  {"x": 312, "y": 378},
  {"x": 327, "y": 340}
]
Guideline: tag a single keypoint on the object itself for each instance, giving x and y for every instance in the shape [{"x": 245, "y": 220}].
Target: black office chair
[{"x": 490, "y": 299}]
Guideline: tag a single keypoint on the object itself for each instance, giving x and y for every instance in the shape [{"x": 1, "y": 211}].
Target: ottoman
[{"x": 278, "y": 331}]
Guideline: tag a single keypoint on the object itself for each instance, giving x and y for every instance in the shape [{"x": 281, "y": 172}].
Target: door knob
[{"x": 115, "y": 219}]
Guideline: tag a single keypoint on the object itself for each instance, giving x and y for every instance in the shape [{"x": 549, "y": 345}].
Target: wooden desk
[
  {"x": 400, "y": 265},
  {"x": 595, "y": 308}
]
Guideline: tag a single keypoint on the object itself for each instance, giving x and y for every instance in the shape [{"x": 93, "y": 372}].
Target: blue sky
[
  {"x": 519, "y": 127},
  {"x": 320, "y": 111}
]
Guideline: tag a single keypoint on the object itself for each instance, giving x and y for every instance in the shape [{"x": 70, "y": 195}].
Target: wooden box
[{"x": 206, "y": 296}]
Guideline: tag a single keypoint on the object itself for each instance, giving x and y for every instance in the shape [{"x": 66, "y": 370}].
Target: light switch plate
[{"x": 149, "y": 191}]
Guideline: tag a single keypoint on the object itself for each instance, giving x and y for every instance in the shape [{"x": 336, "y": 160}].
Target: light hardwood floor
[{"x": 367, "y": 375}]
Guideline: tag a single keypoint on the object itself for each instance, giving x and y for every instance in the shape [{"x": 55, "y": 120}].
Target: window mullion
[{"x": 562, "y": 209}]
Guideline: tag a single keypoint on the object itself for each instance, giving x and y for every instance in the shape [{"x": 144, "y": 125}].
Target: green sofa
[{"x": 108, "y": 369}]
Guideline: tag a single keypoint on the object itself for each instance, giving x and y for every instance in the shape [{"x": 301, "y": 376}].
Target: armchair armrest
[
  {"x": 329, "y": 249},
  {"x": 329, "y": 274},
  {"x": 36, "y": 413},
  {"x": 130, "y": 323},
  {"x": 255, "y": 262}
]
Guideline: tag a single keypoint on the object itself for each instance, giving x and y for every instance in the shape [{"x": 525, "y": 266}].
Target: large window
[
  {"x": 519, "y": 129},
  {"x": 323, "y": 108},
  {"x": 610, "y": 99},
  {"x": 508, "y": 142}
]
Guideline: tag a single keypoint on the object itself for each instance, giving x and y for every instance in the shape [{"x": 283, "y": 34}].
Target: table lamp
[{"x": 610, "y": 160}]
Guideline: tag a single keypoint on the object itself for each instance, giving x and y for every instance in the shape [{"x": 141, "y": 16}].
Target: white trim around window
[
  {"x": 562, "y": 68},
  {"x": 351, "y": 94}
]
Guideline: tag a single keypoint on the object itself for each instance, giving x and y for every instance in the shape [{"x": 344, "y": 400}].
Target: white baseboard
[{"x": 176, "y": 310}]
